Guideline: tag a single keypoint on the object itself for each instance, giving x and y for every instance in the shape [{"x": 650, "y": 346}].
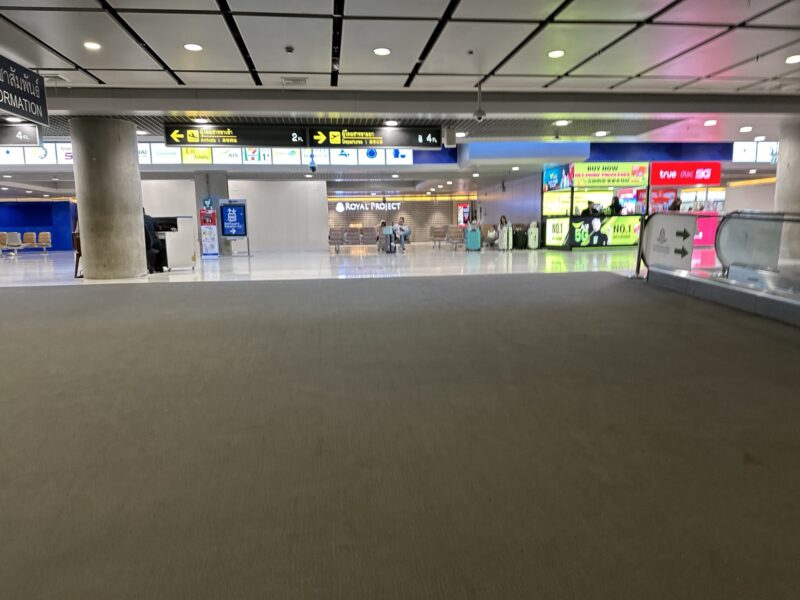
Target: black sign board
[
  {"x": 23, "y": 134},
  {"x": 22, "y": 92},
  {"x": 380, "y": 137},
  {"x": 234, "y": 135},
  {"x": 317, "y": 137}
]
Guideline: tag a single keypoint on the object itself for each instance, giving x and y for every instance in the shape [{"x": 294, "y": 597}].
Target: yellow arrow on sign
[
  {"x": 176, "y": 136},
  {"x": 320, "y": 137}
]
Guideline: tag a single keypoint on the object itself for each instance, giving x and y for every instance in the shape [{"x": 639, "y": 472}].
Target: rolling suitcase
[
  {"x": 473, "y": 240},
  {"x": 533, "y": 236},
  {"x": 520, "y": 239},
  {"x": 504, "y": 241}
]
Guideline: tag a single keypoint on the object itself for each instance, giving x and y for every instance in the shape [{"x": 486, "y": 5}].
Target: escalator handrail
[{"x": 756, "y": 215}]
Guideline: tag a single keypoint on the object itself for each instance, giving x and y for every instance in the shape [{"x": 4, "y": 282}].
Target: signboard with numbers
[
  {"x": 380, "y": 137},
  {"x": 181, "y": 134},
  {"x": 21, "y": 134}
]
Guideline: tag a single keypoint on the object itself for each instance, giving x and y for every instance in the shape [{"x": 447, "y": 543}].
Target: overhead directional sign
[
  {"x": 380, "y": 137},
  {"x": 181, "y": 134},
  {"x": 669, "y": 241},
  {"x": 21, "y": 134},
  {"x": 22, "y": 92}
]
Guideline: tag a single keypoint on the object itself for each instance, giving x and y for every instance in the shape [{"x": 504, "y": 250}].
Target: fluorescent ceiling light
[
  {"x": 3, "y": 189},
  {"x": 141, "y": 132},
  {"x": 28, "y": 192},
  {"x": 461, "y": 134},
  {"x": 428, "y": 193},
  {"x": 449, "y": 183},
  {"x": 391, "y": 123},
  {"x": 395, "y": 175},
  {"x": 515, "y": 168},
  {"x": 13, "y": 120},
  {"x": 433, "y": 189},
  {"x": 600, "y": 133},
  {"x": 45, "y": 195},
  {"x": 753, "y": 171},
  {"x": 710, "y": 123},
  {"x": 793, "y": 59},
  {"x": 745, "y": 129},
  {"x": 200, "y": 120},
  {"x": 6, "y": 176},
  {"x": 309, "y": 175},
  {"x": 760, "y": 138},
  {"x": 55, "y": 178},
  {"x": 440, "y": 186},
  {"x": 562, "y": 123},
  {"x": 94, "y": 46},
  {"x": 556, "y": 54},
  {"x": 382, "y": 51},
  {"x": 476, "y": 174},
  {"x": 193, "y": 47}
]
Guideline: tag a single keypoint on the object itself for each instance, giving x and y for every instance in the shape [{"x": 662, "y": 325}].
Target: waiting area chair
[
  {"x": 45, "y": 241},
  {"x": 438, "y": 235},
  {"x": 336, "y": 237},
  {"x": 455, "y": 236},
  {"x": 352, "y": 237},
  {"x": 369, "y": 235},
  {"x": 13, "y": 242}
]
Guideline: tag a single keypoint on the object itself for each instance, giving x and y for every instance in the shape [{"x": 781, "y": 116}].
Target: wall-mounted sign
[
  {"x": 22, "y": 92},
  {"x": 614, "y": 174},
  {"x": 371, "y": 156},
  {"x": 686, "y": 173},
  {"x": 208, "y": 229},
  {"x": 557, "y": 178},
  {"x": 41, "y": 155},
  {"x": 408, "y": 137},
  {"x": 144, "y": 153},
  {"x": 227, "y": 156},
  {"x": 12, "y": 156},
  {"x": 286, "y": 156},
  {"x": 362, "y": 206},
  {"x": 258, "y": 156},
  {"x": 20, "y": 134},
  {"x": 669, "y": 240},
  {"x": 196, "y": 156},
  {"x": 750, "y": 152},
  {"x": 177, "y": 134},
  {"x": 234, "y": 220}
]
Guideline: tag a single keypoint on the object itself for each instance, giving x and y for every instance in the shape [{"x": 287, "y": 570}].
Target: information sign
[
  {"x": 669, "y": 241},
  {"x": 383, "y": 137},
  {"x": 19, "y": 134},
  {"x": 22, "y": 92},
  {"x": 234, "y": 220},
  {"x": 177, "y": 134}
]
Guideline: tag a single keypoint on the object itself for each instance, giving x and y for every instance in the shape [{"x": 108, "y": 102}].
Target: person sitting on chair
[{"x": 402, "y": 232}]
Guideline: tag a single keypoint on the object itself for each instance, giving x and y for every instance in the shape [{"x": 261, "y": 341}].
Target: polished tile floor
[{"x": 420, "y": 260}]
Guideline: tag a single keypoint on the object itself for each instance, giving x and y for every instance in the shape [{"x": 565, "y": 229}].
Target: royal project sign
[
  {"x": 22, "y": 92},
  {"x": 342, "y": 207},
  {"x": 686, "y": 173}
]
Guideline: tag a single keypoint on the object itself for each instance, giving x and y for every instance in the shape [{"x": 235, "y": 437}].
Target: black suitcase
[{"x": 520, "y": 239}]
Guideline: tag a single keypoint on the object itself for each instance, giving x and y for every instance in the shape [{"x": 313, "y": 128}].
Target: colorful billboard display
[
  {"x": 591, "y": 232},
  {"x": 686, "y": 173},
  {"x": 557, "y": 178},
  {"x": 611, "y": 174}
]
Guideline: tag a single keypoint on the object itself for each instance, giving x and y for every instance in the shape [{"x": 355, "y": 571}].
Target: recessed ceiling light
[
  {"x": 45, "y": 195},
  {"x": 556, "y": 54},
  {"x": 461, "y": 134},
  {"x": 745, "y": 129},
  {"x": 395, "y": 175},
  {"x": 710, "y": 123},
  {"x": 94, "y": 46},
  {"x": 6, "y": 176},
  {"x": 28, "y": 192},
  {"x": 476, "y": 174},
  {"x": 55, "y": 178},
  {"x": 600, "y": 133},
  {"x": 141, "y": 132},
  {"x": 193, "y": 47},
  {"x": 309, "y": 175},
  {"x": 391, "y": 123},
  {"x": 515, "y": 168},
  {"x": 428, "y": 193},
  {"x": 200, "y": 120},
  {"x": 433, "y": 189},
  {"x": 3, "y": 189},
  {"x": 382, "y": 51},
  {"x": 793, "y": 59},
  {"x": 13, "y": 120},
  {"x": 753, "y": 171},
  {"x": 562, "y": 123},
  {"x": 373, "y": 193},
  {"x": 440, "y": 186},
  {"x": 760, "y": 138}
]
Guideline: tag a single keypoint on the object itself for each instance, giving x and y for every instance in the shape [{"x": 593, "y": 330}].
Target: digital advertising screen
[
  {"x": 613, "y": 174},
  {"x": 556, "y": 232},
  {"x": 595, "y": 232},
  {"x": 558, "y": 177},
  {"x": 556, "y": 204},
  {"x": 234, "y": 221}
]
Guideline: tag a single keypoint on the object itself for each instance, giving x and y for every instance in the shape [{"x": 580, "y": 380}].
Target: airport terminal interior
[{"x": 360, "y": 299}]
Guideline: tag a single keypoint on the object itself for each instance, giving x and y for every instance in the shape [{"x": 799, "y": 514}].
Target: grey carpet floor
[{"x": 573, "y": 436}]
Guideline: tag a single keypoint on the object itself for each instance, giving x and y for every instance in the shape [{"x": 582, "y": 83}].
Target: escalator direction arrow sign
[
  {"x": 684, "y": 235},
  {"x": 682, "y": 252}
]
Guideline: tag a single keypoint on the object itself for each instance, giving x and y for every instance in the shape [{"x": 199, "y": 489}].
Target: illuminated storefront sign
[
  {"x": 686, "y": 173},
  {"x": 363, "y": 206}
]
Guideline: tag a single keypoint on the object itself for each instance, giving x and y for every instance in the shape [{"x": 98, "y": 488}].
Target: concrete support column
[
  {"x": 787, "y": 187},
  {"x": 109, "y": 191},
  {"x": 213, "y": 185}
]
